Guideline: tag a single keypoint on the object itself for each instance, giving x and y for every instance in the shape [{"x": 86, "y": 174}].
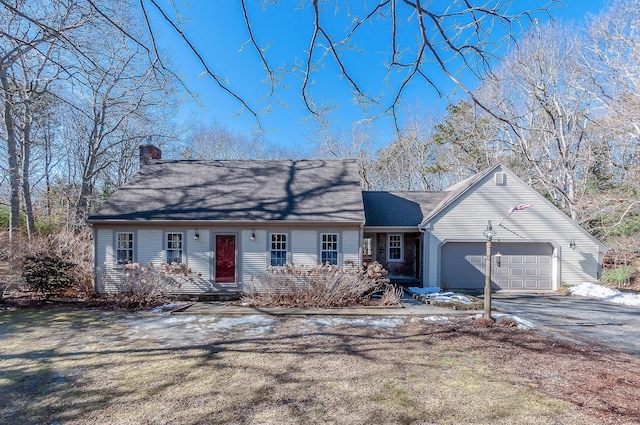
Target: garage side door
[{"x": 524, "y": 266}]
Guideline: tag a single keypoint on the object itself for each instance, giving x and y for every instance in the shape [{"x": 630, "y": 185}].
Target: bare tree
[
  {"x": 344, "y": 143},
  {"x": 414, "y": 161},
  {"x": 417, "y": 42},
  {"x": 91, "y": 59},
  {"x": 114, "y": 109},
  {"x": 545, "y": 113},
  {"x": 472, "y": 138},
  {"x": 27, "y": 29},
  {"x": 612, "y": 57},
  {"x": 216, "y": 141}
]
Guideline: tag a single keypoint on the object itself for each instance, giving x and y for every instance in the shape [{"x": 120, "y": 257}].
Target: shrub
[
  {"x": 484, "y": 323},
  {"x": 142, "y": 287},
  {"x": 564, "y": 289},
  {"x": 618, "y": 276},
  {"x": 321, "y": 286},
  {"x": 5, "y": 214},
  {"x": 507, "y": 322},
  {"x": 69, "y": 246},
  {"x": 47, "y": 274}
]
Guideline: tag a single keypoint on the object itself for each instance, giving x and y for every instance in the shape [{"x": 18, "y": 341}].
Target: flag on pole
[{"x": 518, "y": 208}]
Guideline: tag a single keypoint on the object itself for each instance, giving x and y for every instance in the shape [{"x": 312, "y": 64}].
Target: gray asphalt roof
[
  {"x": 399, "y": 208},
  {"x": 308, "y": 190}
]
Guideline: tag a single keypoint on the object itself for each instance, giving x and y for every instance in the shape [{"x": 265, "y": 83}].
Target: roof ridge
[
  {"x": 404, "y": 191},
  {"x": 253, "y": 160}
]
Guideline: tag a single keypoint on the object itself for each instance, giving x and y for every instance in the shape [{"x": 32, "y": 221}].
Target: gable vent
[{"x": 501, "y": 179}]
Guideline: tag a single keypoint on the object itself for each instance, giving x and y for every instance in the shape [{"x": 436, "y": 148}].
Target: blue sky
[{"x": 217, "y": 29}]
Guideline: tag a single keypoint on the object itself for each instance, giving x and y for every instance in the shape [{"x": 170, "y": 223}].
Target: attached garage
[
  {"x": 540, "y": 246},
  {"x": 523, "y": 266}
]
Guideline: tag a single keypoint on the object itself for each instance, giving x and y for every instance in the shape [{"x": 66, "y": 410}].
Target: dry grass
[{"x": 80, "y": 368}]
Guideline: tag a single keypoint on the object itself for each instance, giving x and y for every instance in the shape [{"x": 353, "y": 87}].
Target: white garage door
[{"x": 524, "y": 266}]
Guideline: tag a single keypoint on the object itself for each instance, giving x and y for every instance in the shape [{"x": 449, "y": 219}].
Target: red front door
[{"x": 225, "y": 271}]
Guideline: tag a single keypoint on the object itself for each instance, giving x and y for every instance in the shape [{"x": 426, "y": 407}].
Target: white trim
[
  {"x": 337, "y": 250},
  {"x": 116, "y": 248},
  {"x": 395, "y": 260},
  {"x": 213, "y": 251},
  {"x": 286, "y": 249},
  {"x": 182, "y": 246}
]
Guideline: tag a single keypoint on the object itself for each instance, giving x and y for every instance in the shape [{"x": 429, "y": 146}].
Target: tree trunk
[
  {"x": 14, "y": 171},
  {"x": 47, "y": 170},
  {"x": 26, "y": 187}
]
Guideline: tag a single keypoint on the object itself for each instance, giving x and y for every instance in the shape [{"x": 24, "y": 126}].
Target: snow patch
[
  {"x": 422, "y": 291},
  {"x": 448, "y": 297},
  {"x": 165, "y": 307},
  {"x": 190, "y": 329},
  {"x": 600, "y": 292},
  {"x": 383, "y": 323},
  {"x": 437, "y": 319}
]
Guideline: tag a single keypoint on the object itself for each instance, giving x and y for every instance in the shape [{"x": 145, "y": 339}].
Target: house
[{"x": 231, "y": 220}]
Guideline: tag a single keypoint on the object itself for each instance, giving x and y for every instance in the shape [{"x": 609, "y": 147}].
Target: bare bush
[
  {"x": 69, "y": 246},
  {"x": 484, "y": 323},
  {"x": 321, "y": 286},
  {"x": 506, "y": 322},
  {"x": 146, "y": 286}
]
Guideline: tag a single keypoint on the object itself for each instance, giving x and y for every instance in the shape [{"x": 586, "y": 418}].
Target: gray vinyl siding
[
  {"x": 106, "y": 274},
  {"x": 304, "y": 247},
  {"x": 150, "y": 247},
  {"x": 252, "y": 256},
  {"x": 198, "y": 255},
  {"x": 351, "y": 247},
  {"x": 466, "y": 218}
]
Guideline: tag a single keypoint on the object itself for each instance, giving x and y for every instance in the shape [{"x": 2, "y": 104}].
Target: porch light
[
  {"x": 498, "y": 259},
  {"x": 253, "y": 236},
  {"x": 572, "y": 244},
  {"x": 196, "y": 236},
  {"x": 489, "y": 233}
]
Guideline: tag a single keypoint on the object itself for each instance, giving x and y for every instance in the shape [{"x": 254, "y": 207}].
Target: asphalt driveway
[{"x": 613, "y": 325}]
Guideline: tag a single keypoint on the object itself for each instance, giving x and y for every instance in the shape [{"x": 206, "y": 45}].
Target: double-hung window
[
  {"x": 278, "y": 249},
  {"x": 329, "y": 248},
  {"x": 174, "y": 247},
  {"x": 394, "y": 248},
  {"x": 124, "y": 248}
]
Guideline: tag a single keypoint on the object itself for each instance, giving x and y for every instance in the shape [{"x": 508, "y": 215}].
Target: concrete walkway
[{"x": 408, "y": 307}]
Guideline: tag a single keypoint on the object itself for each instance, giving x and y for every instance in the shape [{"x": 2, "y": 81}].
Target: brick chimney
[{"x": 148, "y": 153}]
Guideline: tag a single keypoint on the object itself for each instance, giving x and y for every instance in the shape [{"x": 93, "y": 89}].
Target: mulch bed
[
  {"x": 601, "y": 380},
  {"x": 28, "y": 300}
]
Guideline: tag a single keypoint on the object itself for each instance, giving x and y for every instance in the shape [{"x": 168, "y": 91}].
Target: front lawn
[{"x": 81, "y": 367}]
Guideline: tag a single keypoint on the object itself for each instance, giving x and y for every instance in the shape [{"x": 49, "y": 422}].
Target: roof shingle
[
  {"x": 306, "y": 191},
  {"x": 399, "y": 209}
]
